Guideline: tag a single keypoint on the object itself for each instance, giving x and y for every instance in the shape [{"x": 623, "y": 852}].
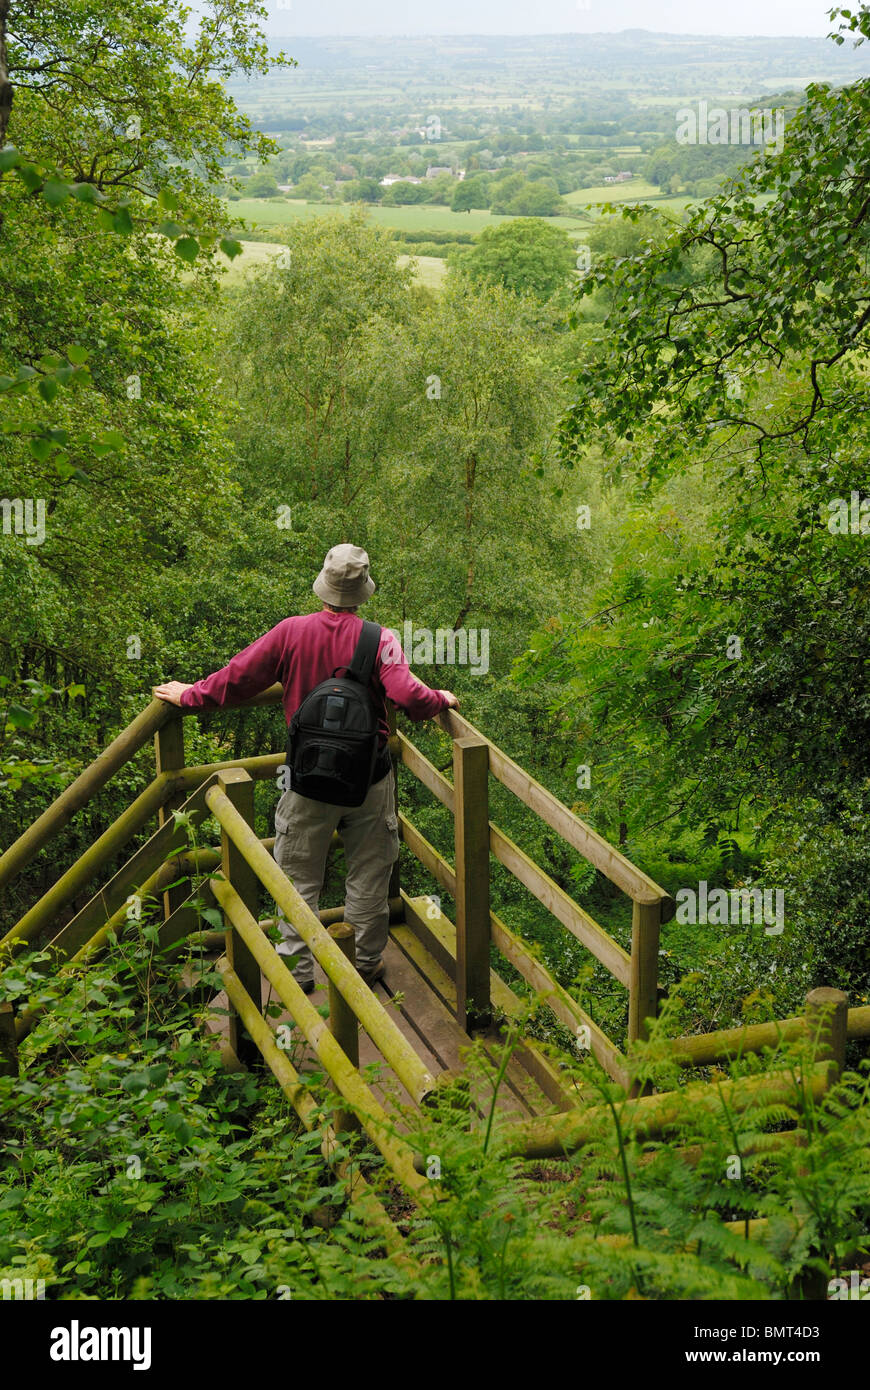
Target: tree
[
  {"x": 404, "y": 423},
  {"x": 404, "y": 194},
  {"x": 504, "y": 189},
  {"x": 736, "y": 341},
  {"x": 526, "y": 256},
  {"x": 362, "y": 191},
  {"x": 302, "y": 338},
  {"x": 471, "y": 193},
  {"x": 309, "y": 188},
  {"x": 157, "y": 103},
  {"x": 440, "y": 189},
  {"x": 82, "y": 145},
  {"x": 540, "y": 198},
  {"x": 116, "y": 126},
  {"x": 262, "y": 185},
  {"x": 470, "y": 404}
]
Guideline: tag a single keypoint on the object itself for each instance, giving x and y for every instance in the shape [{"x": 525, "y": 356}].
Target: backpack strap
[{"x": 362, "y": 663}]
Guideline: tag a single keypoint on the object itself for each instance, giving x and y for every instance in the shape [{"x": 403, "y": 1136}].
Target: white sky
[{"x": 351, "y": 17}]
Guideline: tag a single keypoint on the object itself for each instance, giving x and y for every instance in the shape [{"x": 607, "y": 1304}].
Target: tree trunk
[
  {"x": 5, "y": 84},
  {"x": 470, "y": 478}
]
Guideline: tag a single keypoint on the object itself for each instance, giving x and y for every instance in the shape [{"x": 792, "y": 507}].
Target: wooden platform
[{"x": 420, "y": 995}]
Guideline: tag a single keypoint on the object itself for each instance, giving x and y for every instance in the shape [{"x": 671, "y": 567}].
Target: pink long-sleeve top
[{"x": 300, "y": 652}]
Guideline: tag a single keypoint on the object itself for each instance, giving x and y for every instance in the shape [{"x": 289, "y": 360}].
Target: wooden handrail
[
  {"x": 576, "y": 832},
  {"x": 93, "y": 947},
  {"x": 374, "y": 1119},
  {"x": 79, "y": 875},
  {"x": 514, "y": 949},
  {"x": 562, "y": 906},
  {"x": 427, "y": 855},
  {"x": 79, "y": 792},
  {"x": 175, "y": 781},
  {"x": 558, "y": 1000},
  {"x": 706, "y": 1049},
  {"x": 383, "y": 1032},
  {"x": 597, "y": 850},
  {"x": 531, "y": 875},
  {"x": 306, "y": 1107},
  {"x": 648, "y": 1117},
  {"x": 427, "y": 773},
  {"x": 97, "y": 774}
]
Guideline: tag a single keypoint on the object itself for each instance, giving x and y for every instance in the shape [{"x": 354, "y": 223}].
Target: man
[{"x": 300, "y": 652}]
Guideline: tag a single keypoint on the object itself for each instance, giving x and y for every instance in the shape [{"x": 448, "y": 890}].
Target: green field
[
  {"x": 278, "y": 212},
  {"x": 629, "y": 192},
  {"x": 430, "y": 270}
]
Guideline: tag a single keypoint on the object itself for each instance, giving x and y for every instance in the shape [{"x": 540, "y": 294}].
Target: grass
[
  {"x": 628, "y": 192},
  {"x": 277, "y": 212},
  {"x": 280, "y": 212},
  {"x": 430, "y": 270}
]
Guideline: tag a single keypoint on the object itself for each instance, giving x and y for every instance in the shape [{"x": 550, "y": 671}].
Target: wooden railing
[
  {"x": 165, "y": 865},
  {"x": 467, "y": 881},
  {"x": 651, "y": 905}
]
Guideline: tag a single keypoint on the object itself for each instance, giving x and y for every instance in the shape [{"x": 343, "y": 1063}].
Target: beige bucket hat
[{"x": 344, "y": 580}]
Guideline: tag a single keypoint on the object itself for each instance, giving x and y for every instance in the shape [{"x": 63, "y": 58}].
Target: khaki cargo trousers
[{"x": 370, "y": 833}]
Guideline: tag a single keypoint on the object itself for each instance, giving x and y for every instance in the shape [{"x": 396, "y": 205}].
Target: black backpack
[{"x": 332, "y": 750}]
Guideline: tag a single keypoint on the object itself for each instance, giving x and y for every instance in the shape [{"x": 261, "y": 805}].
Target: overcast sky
[{"x": 348, "y": 17}]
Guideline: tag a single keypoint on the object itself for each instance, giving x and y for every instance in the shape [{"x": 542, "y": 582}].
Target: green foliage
[
  {"x": 526, "y": 256},
  {"x": 136, "y": 1166},
  {"x": 718, "y": 405},
  {"x": 261, "y": 185},
  {"x": 20, "y": 712},
  {"x": 711, "y": 672},
  {"x": 471, "y": 193}
]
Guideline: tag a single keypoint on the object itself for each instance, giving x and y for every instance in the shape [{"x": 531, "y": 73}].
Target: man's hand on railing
[
  {"x": 452, "y": 701},
  {"x": 171, "y": 692}
]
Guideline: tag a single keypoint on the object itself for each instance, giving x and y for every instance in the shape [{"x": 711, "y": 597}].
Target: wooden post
[
  {"x": 169, "y": 757},
  {"x": 237, "y": 871},
  {"x": 643, "y": 987},
  {"x": 471, "y": 824},
  {"x": 343, "y": 1022},
  {"x": 827, "y": 1015},
  {"x": 8, "y": 1045}
]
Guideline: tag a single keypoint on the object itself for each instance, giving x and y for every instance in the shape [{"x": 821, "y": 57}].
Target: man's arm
[{"x": 252, "y": 670}]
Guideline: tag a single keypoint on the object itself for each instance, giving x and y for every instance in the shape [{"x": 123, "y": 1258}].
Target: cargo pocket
[{"x": 284, "y": 812}]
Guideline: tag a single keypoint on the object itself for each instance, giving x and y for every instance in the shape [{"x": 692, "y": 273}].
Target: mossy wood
[
  {"x": 650, "y": 1117},
  {"x": 373, "y": 1118},
  {"x": 370, "y": 1012},
  {"x": 453, "y": 959},
  {"x": 238, "y": 788},
  {"x": 471, "y": 824},
  {"x": 343, "y": 1022},
  {"x": 306, "y": 1107}
]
